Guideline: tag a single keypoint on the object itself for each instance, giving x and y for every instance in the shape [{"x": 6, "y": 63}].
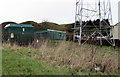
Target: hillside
[
  {"x": 64, "y": 27},
  {"x": 40, "y": 26}
]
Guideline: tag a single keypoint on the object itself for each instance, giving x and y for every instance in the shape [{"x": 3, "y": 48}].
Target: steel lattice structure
[{"x": 99, "y": 10}]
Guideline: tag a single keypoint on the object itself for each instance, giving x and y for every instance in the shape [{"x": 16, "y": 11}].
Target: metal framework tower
[{"x": 93, "y": 19}]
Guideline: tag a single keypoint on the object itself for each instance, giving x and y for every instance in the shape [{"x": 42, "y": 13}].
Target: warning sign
[
  {"x": 12, "y": 35},
  {"x": 23, "y": 29}
]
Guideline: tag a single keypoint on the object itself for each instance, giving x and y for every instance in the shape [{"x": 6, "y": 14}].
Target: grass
[
  {"x": 0, "y": 60},
  {"x": 59, "y": 58},
  {"x": 21, "y": 63}
]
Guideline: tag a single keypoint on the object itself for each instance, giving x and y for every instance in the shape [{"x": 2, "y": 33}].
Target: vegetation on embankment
[
  {"x": 59, "y": 58},
  {"x": 21, "y": 61}
]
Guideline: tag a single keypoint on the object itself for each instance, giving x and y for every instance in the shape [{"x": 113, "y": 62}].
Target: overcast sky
[{"x": 58, "y": 11}]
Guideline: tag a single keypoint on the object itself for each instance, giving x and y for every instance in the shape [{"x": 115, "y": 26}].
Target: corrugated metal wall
[
  {"x": 52, "y": 35},
  {"x": 117, "y": 31},
  {"x": 20, "y": 35}
]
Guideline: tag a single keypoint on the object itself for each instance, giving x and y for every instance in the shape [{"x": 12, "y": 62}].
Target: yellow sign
[
  {"x": 97, "y": 15},
  {"x": 23, "y": 29},
  {"x": 12, "y": 35}
]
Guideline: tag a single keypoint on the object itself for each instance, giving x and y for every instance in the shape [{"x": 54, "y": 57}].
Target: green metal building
[
  {"x": 50, "y": 34},
  {"x": 19, "y": 33}
]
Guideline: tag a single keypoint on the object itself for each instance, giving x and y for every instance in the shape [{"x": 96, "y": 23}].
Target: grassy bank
[
  {"x": 62, "y": 58},
  {"x": 21, "y": 61}
]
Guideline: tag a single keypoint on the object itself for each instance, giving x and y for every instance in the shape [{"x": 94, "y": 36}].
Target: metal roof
[
  {"x": 49, "y": 30},
  {"x": 56, "y": 31},
  {"x": 18, "y": 25},
  {"x": 117, "y": 24},
  {"x": 42, "y": 31}
]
